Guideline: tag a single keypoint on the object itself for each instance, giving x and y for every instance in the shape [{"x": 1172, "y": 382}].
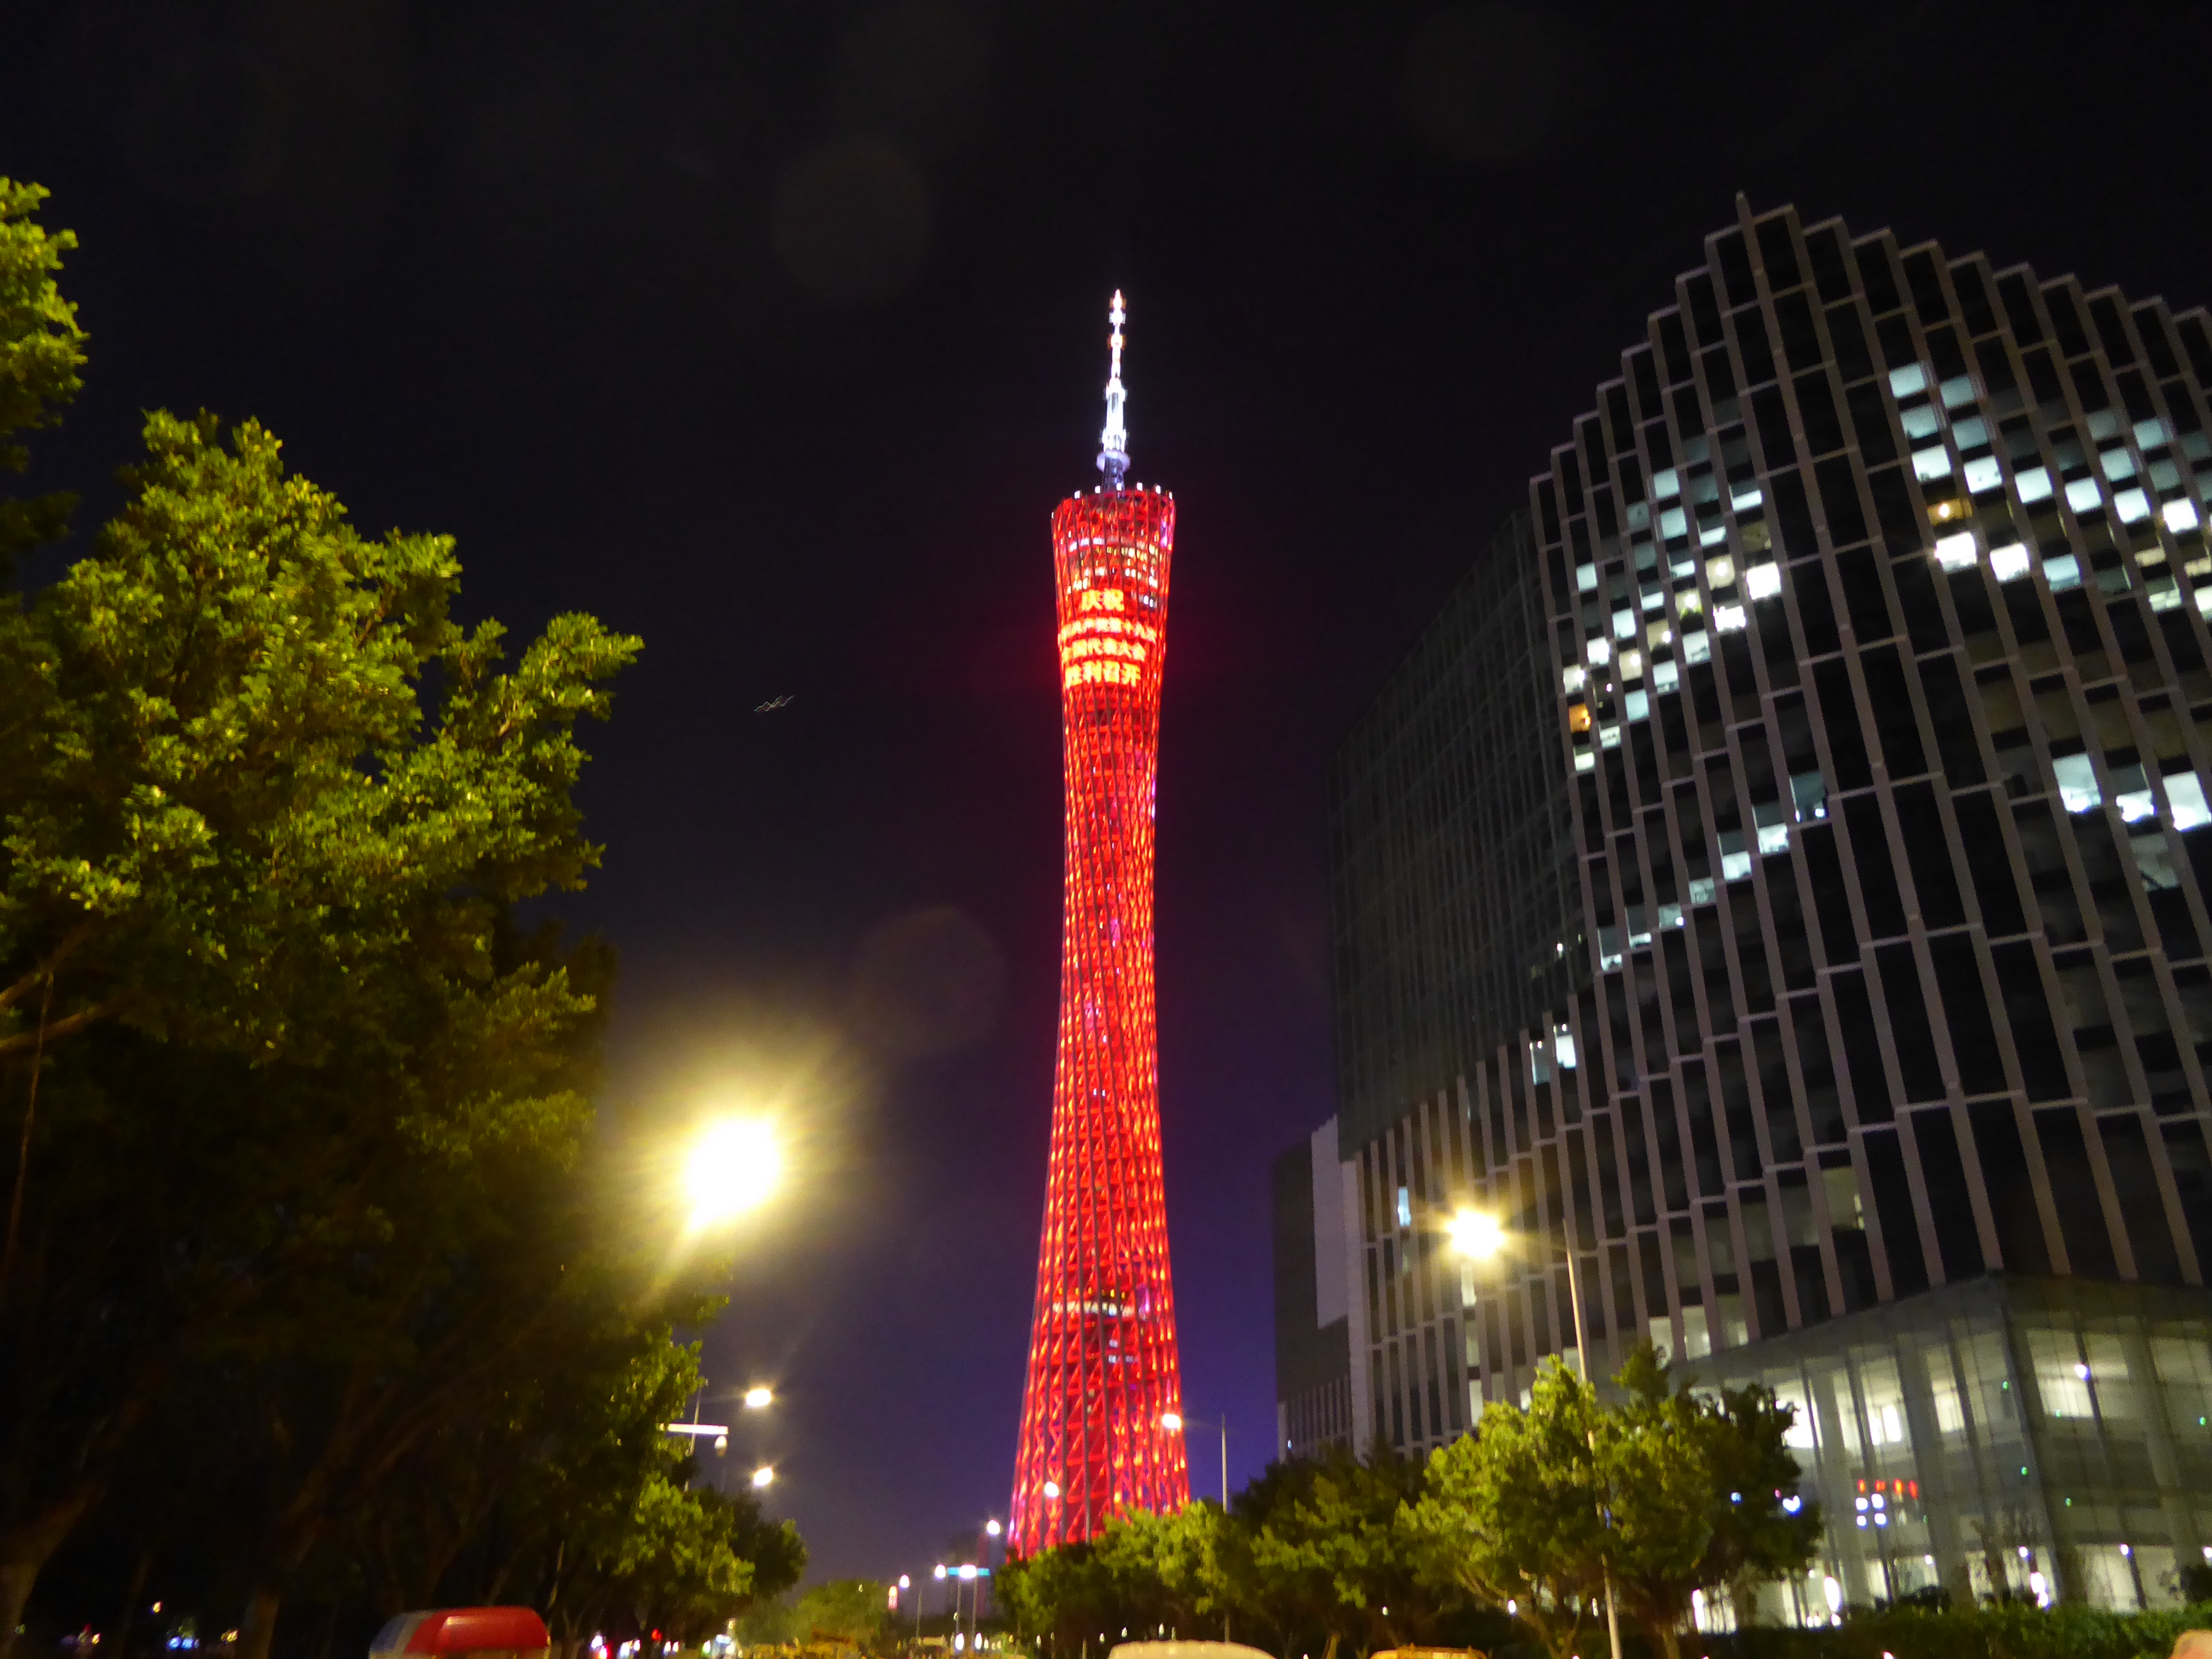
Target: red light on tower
[{"x": 1102, "y": 1366}]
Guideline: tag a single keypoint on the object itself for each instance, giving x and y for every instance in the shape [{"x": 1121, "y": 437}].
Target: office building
[{"x": 1872, "y": 688}]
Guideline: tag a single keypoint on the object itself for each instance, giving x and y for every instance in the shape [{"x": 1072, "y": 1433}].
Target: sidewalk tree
[
  {"x": 1698, "y": 1489},
  {"x": 1509, "y": 1513}
]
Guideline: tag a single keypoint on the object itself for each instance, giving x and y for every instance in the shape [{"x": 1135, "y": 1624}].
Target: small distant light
[
  {"x": 994, "y": 1528},
  {"x": 2082, "y": 1372},
  {"x": 1052, "y": 1489},
  {"x": 757, "y": 1397},
  {"x": 763, "y": 1476}
]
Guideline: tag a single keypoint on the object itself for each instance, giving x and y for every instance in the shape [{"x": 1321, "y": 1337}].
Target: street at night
[{"x": 1145, "y": 800}]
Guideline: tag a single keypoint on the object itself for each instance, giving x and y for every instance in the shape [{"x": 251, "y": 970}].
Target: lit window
[
  {"x": 2082, "y": 494},
  {"x": 1608, "y": 949},
  {"x": 1601, "y": 650},
  {"x": 1631, "y": 664},
  {"x": 1762, "y": 581},
  {"x": 1670, "y": 915},
  {"x": 1658, "y": 633},
  {"x": 1665, "y": 675},
  {"x": 1624, "y": 624},
  {"x": 2184, "y": 793},
  {"x": 1608, "y": 737},
  {"x": 2132, "y": 505},
  {"x": 1729, "y": 618},
  {"x": 1712, "y": 535},
  {"x": 1956, "y": 550},
  {"x": 2077, "y": 783},
  {"x": 1934, "y": 463},
  {"x": 1773, "y": 837},
  {"x": 1971, "y": 434},
  {"x": 2009, "y": 562},
  {"x": 1655, "y": 598},
  {"x": 1904, "y": 382},
  {"x": 1585, "y": 761},
  {"x": 2204, "y": 600},
  {"x": 2151, "y": 434},
  {"x": 1744, "y": 496},
  {"x": 2118, "y": 464},
  {"x": 1586, "y": 578},
  {"x": 1574, "y": 677},
  {"x": 2165, "y": 475},
  {"x": 1923, "y": 422},
  {"x": 1697, "y": 645},
  {"x": 1578, "y": 717},
  {"x": 2063, "y": 573},
  {"x": 2135, "y": 805},
  {"x": 1984, "y": 474},
  {"x": 1638, "y": 704},
  {"x": 1944, "y": 512},
  {"x": 1702, "y": 888},
  {"x": 1563, "y": 1047},
  {"x": 1735, "y": 862},
  {"x": 1720, "y": 572},
  {"x": 2165, "y": 592},
  {"x": 2034, "y": 484},
  {"x": 1405, "y": 1207},
  {"x": 1689, "y": 602},
  {"x": 1957, "y": 394},
  {"x": 1665, "y": 486},
  {"x": 1673, "y": 523}
]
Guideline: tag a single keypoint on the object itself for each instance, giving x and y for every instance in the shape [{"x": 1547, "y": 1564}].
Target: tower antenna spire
[{"x": 1113, "y": 441}]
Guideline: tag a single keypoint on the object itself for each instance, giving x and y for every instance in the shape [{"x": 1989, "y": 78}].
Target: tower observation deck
[{"x": 1102, "y": 1368}]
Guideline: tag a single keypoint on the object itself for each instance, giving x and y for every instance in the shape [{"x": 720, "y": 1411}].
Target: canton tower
[{"x": 1103, "y": 1366}]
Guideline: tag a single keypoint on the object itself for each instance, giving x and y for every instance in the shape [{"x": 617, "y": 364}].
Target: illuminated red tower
[{"x": 1102, "y": 1366}]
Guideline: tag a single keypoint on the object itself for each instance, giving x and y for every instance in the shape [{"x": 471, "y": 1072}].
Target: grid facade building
[{"x": 1873, "y": 669}]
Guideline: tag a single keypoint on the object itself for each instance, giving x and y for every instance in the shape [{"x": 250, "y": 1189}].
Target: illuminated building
[
  {"x": 1867, "y": 640},
  {"x": 1103, "y": 1368}
]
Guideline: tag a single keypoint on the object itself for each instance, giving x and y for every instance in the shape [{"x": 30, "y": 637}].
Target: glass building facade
[{"x": 1868, "y": 669}]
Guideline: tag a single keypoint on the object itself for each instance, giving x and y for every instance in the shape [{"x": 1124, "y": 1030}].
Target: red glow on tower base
[{"x": 1103, "y": 1363}]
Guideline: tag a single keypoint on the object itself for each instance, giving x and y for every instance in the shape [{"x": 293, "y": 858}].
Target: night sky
[{"x": 774, "y": 333}]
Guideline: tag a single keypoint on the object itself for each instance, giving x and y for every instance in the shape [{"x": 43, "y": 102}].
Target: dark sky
[{"x": 774, "y": 333}]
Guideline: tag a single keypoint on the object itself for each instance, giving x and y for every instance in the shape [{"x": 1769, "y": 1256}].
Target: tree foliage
[
  {"x": 1667, "y": 1491},
  {"x": 41, "y": 350},
  {"x": 1511, "y": 1512},
  {"x": 301, "y": 1229}
]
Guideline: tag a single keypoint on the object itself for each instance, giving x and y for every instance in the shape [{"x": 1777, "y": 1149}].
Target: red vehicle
[{"x": 484, "y": 1632}]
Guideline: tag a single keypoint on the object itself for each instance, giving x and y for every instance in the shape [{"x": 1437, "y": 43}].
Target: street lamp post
[
  {"x": 1475, "y": 1234},
  {"x": 1175, "y": 1423}
]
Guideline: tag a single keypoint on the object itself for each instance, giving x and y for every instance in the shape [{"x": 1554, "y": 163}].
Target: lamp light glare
[
  {"x": 756, "y": 1398},
  {"x": 763, "y": 1476},
  {"x": 1171, "y": 1421},
  {"x": 1474, "y": 1232},
  {"x": 994, "y": 1528},
  {"x": 732, "y": 1167}
]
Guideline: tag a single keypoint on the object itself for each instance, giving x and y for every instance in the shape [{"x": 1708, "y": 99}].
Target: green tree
[
  {"x": 1325, "y": 1558},
  {"x": 41, "y": 350},
  {"x": 1702, "y": 1492},
  {"x": 263, "y": 807},
  {"x": 1510, "y": 1512},
  {"x": 855, "y": 1610}
]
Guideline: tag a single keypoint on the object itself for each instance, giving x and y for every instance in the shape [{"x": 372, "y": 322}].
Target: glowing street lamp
[
  {"x": 758, "y": 1397},
  {"x": 1479, "y": 1234},
  {"x": 764, "y": 1477},
  {"x": 733, "y": 1166},
  {"x": 1175, "y": 1423},
  {"x": 992, "y": 1528}
]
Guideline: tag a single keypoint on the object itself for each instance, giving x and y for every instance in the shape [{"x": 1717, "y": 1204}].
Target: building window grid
[
  {"x": 1494, "y": 1160},
  {"x": 1922, "y": 719}
]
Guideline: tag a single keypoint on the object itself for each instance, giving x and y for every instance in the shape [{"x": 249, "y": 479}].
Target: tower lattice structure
[{"x": 1103, "y": 1370}]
